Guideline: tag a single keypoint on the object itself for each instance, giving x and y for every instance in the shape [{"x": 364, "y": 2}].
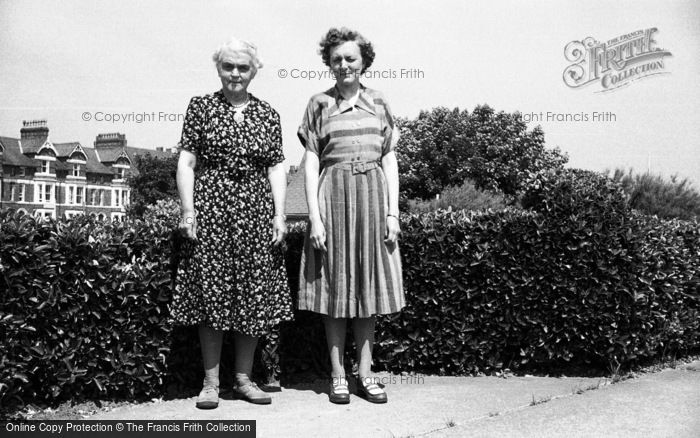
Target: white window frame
[
  {"x": 39, "y": 193},
  {"x": 12, "y": 186},
  {"x": 43, "y": 214},
  {"x": 48, "y": 194}
]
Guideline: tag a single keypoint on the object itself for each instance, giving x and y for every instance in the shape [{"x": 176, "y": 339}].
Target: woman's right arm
[
  {"x": 185, "y": 187},
  {"x": 318, "y": 231}
]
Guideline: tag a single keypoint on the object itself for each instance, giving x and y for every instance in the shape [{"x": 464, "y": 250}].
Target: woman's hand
[
  {"x": 279, "y": 230},
  {"x": 318, "y": 234},
  {"x": 188, "y": 223},
  {"x": 393, "y": 228}
]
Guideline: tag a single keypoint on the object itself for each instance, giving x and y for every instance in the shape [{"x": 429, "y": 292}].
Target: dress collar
[
  {"x": 337, "y": 104},
  {"x": 222, "y": 97}
]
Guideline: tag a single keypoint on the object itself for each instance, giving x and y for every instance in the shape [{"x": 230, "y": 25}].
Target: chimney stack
[
  {"x": 109, "y": 140},
  {"x": 34, "y": 129}
]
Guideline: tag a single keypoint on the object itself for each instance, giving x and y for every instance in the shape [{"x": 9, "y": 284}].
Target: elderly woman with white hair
[{"x": 232, "y": 185}]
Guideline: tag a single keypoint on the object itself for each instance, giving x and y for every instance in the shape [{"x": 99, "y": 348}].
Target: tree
[
  {"x": 654, "y": 195},
  {"x": 153, "y": 181},
  {"x": 443, "y": 147}
]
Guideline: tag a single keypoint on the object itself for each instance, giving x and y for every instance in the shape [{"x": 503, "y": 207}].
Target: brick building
[
  {"x": 47, "y": 179},
  {"x": 295, "y": 207}
]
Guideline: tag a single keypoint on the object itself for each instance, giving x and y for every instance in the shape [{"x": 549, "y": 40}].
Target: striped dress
[{"x": 359, "y": 275}]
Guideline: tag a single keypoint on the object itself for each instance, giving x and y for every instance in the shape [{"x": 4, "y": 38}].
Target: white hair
[{"x": 236, "y": 45}]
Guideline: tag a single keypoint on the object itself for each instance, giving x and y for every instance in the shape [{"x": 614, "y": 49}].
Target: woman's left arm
[
  {"x": 278, "y": 183},
  {"x": 391, "y": 172}
]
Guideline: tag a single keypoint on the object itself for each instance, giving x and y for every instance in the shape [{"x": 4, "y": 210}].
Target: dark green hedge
[{"x": 577, "y": 280}]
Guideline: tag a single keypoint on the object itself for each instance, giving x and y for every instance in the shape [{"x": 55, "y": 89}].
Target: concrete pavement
[{"x": 665, "y": 403}]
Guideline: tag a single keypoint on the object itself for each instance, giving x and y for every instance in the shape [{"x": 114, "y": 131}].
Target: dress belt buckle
[{"x": 362, "y": 166}]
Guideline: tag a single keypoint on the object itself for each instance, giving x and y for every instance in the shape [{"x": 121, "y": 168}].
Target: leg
[
  {"x": 335, "y": 336},
  {"x": 210, "y": 341},
  {"x": 245, "y": 351},
  {"x": 364, "y": 339},
  {"x": 363, "y": 329},
  {"x": 244, "y": 388}
]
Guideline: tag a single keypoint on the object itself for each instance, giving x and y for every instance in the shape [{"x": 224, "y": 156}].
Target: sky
[{"x": 69, "y": 61}]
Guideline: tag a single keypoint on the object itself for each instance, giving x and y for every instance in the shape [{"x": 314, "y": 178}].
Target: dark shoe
[
  {"x": 339, "y": 392},
  {"x": 249, "y": 391},
  {"x": 208, "y": 398},
  {"x": 370, "y": 391}
]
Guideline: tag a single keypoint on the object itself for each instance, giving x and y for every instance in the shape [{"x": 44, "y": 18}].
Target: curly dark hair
[{"x": 335, "y": 37}]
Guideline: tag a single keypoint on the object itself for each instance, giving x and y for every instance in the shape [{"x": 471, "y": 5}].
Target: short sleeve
[
  {"x": 274, "y": 152},
  {"x": 391, "y": 131},
  {"x": 307, "y": 132},
  {"x": 193, "y": 127}
]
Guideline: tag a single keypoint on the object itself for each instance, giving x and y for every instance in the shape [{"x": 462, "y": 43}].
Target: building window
[
  {"x": 76, "y": 169},
  {"x": 115, "y": 198},
  {"x": 47, "y": 193},
  {"x": 125, "y": 198},
  {"x": 102, "y": 197},
  {"x": 43, "y": 214},
  {"x": 20, "y": 192},
  {"x": 13, "y": 188},
  {"x": 45, "y": 166},
  {"x": 69, "y": 199},
  {"x": 93, "y": 196},
  {"x": 22, "y": 172},
  {"x": 79, "y": 195},
  {"x": 39, "y": 193}
]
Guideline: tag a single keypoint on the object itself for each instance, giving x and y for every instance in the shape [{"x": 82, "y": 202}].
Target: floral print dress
[{"x": 232, "y": 278}]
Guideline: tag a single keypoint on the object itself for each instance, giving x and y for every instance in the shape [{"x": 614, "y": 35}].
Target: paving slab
[
  {"x": 662, "y": 404},
  {"x": 417, "y": 405},
  {"x": 666, "y": 403}
]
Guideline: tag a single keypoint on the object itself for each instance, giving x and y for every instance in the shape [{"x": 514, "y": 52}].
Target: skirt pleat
[{"x": 359, "y": 275}]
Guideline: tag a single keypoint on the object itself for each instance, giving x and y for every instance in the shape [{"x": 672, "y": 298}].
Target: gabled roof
[
  {"x": 295, "y": 204},
  {"x": 93, "y": 164},
  {"x": 109, "y": 154},
  {"x": 13, "y": 156},
  {"x": 65, "y": 150},
  {"x": 32, "y": 145}
]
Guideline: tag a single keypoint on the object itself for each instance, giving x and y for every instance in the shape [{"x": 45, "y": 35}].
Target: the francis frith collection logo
[{"x": 614, "y": 63}]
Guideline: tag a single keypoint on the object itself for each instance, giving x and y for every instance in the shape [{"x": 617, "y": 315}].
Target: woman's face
[
  {"x": 346, "y": 63},
  {"x": 235, "y": 71}
]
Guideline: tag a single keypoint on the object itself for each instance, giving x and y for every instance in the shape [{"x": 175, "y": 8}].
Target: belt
[
  {"x": 355, "y": 166},
  {"x": 229, "y": 172}
]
